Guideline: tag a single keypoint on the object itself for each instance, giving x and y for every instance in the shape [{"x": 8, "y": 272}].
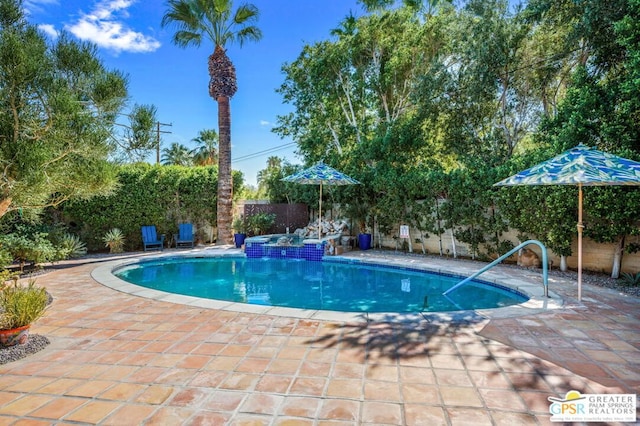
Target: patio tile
[
  {"x": 382, "y": 372},
  {"x": 208, "y": 378},
  {"x": 123, "y": 391},
  {"x": 345, "y": 388},
  {"x": 90, "y": 389},
  {"x": 381, "y": 413},
  {"x": 419, "y": 415},
  {"x": 452, "y": 377},
  {"x": 154, "y": 395},
  {"x": 155, "y": 362},
  {"x": 224, "y": 400},
  {"x": 240, "y": 381},
  {"x": 25, "y": 405},
  {"x": 300, "y": 407},
  {"x": 338, "y": 409},
  {"x": 93, "y": 412},
  {"x": 259, "y": 403},
  {"x": 57, "y": 408},
  {"x": 422, "y": 394},
  {"x": 469, "y": 416},
  {"x": 459, "y": 396},
  {"x": 307, "y": 386},
  {"x": 170, "y": 416},
  {"x": 273, "y": 383},
  {"x": 501, "y": 399},
  {"x": 382, "y": 391}
]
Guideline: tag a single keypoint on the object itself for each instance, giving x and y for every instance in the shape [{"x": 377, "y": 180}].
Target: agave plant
[
  {"x": 72, "y": 246},
  {"x": 630, "y": 279},
  {"x": 114, "y": 239}
]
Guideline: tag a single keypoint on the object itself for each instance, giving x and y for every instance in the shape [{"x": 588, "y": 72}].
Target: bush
[
  {"x": 35, "y": 248},
  {"x": 71, "y": 247},
  {"x": 114, "y": 239},
  {"x": 630, "y": 280},
  {"x": 21, "y": 305},
  {"x": 149, "y": 195},
  {"x": 260, "y": 223}
]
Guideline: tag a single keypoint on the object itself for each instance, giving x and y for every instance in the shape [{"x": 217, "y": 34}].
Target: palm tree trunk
[{"x": 225, "y": 182}]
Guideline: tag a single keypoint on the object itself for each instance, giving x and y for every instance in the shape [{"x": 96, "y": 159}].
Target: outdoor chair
[
  {"x": 150, "y": 238},
  {"x": 185, "y": 236}
]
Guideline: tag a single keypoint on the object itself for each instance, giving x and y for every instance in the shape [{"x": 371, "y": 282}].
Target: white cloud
[
  {"x": 266, "y": 123},
  {"x": 34, "y": 6},
  {"x": 105, "y": 26},
  {"x": 48, "y": 29}
]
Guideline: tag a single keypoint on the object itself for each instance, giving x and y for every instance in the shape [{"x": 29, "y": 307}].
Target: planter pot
[
  {"x": 239, "y": 239},
  {"x": 15, "y": 336},
  {"x": 364, "y": 241}
]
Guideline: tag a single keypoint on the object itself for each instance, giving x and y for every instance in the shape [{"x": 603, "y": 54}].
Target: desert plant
[
  {"x": 21, "y": 305},
  {"x": 630, "y": 280},
  {"x": 114, "y": 239},
  {"x": 71, "y": 246}
]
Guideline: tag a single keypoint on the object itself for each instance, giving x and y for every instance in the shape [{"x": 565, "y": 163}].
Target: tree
[
  {"x": 177, "y": 155},
  {"x": 57, "y": 108},
  {"x": 217, "y": 21},
  {"x": 139, "y": 137},
  {"x": 206, "y": 152}
]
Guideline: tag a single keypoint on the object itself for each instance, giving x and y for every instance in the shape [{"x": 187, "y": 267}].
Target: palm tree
[
  {"x": 206, "y": 152},
  {"x": 177, "y": 155},
  {"x": 216, "y": 21}
]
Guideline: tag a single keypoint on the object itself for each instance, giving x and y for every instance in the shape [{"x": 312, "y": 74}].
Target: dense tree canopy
[
  {"x": 428, "y": 101},
  {"x": 57, "y": 108}
]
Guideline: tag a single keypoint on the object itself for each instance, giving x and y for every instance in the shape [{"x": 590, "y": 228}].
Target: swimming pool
[{"x": 327, "y": 285}]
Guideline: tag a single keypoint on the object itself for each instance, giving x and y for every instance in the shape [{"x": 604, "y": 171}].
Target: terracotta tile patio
[{"x": 120, "y": 359}]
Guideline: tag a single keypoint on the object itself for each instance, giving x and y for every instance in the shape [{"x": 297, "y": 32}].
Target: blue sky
[{"x": 175, "y": 80}]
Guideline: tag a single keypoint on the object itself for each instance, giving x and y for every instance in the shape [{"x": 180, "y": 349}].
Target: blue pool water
[{"x": 327, "y": 285}]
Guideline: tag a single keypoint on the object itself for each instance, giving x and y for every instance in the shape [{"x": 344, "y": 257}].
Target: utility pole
[{"x": 158, "y": 138}]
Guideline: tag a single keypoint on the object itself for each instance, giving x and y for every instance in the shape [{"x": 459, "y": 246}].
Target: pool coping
[{"x": 535, "y": 291}]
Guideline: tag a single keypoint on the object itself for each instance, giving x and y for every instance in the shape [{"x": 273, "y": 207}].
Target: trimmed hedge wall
[{"x": 163, "y": 196}]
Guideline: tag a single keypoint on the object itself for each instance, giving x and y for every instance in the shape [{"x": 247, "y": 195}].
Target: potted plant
[
  {"x": 360, "y": 212},
  {"x": 20, "y": 306},
  {"x": 364, "y": 237},
  {"x": 239, "y": 231}
]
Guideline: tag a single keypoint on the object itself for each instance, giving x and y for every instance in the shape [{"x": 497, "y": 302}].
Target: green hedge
[{"x": 163, "y": 196}]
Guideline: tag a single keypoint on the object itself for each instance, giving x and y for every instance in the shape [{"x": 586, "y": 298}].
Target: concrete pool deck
[{"x": 118, "y": 358}]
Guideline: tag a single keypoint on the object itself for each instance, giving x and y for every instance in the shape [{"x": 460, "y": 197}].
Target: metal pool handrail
[{"x": 545, "y": 267}]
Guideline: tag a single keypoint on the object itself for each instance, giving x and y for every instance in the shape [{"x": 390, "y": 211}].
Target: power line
[{"x": 264, "y": 152}]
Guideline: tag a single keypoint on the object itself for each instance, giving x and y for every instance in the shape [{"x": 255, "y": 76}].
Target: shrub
[
  {"x": 35, "y": 248},
  {"x": 114, "y": 239},
  {"x": 72, "y": 247},
  {"x": 261, "y": 222},
  {"x": 21, "y": 305},
  {"x": 630, "y": 280}
]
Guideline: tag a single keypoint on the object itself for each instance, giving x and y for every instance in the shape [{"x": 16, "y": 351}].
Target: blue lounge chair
[
  {"x": 185, "y": 235},
  {"x": 150, "y": 238}
]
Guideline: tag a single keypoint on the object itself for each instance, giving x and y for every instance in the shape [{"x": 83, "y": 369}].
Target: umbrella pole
[
  {"x": 580, "y": 226},
  {"x": 320, "y": 214}
]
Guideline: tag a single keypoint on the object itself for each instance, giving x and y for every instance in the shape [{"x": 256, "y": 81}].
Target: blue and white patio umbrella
[
  {"x": 581, "y": 166},
  {"x": 320, "y": 174}
]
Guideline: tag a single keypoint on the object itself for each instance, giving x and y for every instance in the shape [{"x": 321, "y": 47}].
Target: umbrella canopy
[
  {"x": 320, "y": 174},
  {"x": 581, "y": 166}
]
